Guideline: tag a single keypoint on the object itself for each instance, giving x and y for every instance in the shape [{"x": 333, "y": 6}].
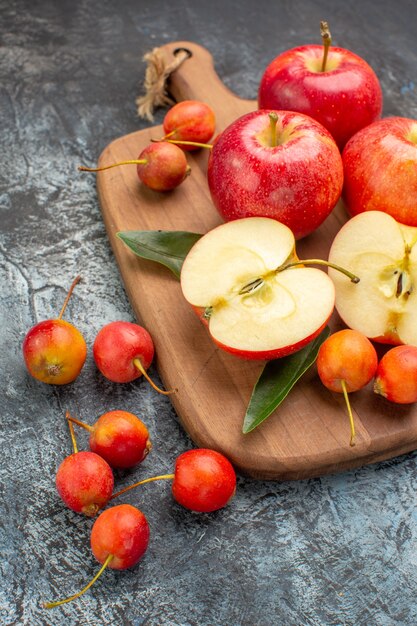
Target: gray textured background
[{"x": 339, "y": 550}]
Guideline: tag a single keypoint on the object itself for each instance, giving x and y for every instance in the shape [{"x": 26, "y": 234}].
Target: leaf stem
[
  {"x": 51, "y": 605},
  {"x": 142, "y": 482},
  {"x": 71, "y": 289}
]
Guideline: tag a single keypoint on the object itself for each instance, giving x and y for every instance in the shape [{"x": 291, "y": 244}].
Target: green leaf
[
  {"x": 163, "y": 246},
  {"x": 276, "y": 381}
]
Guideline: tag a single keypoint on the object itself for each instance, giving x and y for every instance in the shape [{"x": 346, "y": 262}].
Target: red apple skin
[
  {"x": 344, "y": 98},
  {"x": 117, "y": 345},
  {"x": 380, "y": 169},
  {"x": 297, "y": 183},
  {"x": 122, "y": 531},
  {"x": 346, "y": 355},
  {"x": 204, "y": 480},
  {"x": 84, "y": 482},
  {"x": 396, "y": 376},
  {"x": 268, "y": 355},
  {"x": 54, "y": 352},
  {"x": 190, "y": 120},
  {"x": 166, "y": 166},
  {"x": 120, "y": 438}
]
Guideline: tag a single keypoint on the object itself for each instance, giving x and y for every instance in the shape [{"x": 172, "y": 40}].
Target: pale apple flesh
[
  {"x": 383, "y": 253},
  {"x": 253, "y": 306}
]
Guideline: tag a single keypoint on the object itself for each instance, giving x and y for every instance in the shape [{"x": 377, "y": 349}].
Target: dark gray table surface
[{"x": 328, "y": 551}]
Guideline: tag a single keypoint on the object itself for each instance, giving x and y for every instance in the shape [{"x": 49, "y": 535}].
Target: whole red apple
[
  {"x": 380, "y": 167},
  {"x": 345, "y": 97},
  {"x": 289, "y": 170}
]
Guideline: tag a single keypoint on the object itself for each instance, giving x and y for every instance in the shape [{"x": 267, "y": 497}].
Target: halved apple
[
  {"x": 382, "y": 252},
  {"x": 258, "y": 301}
]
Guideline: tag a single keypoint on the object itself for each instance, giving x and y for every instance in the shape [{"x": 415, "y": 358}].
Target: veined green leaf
[
  {"x": 276, "y": 381},
  {"x": 163, "y": 246}
]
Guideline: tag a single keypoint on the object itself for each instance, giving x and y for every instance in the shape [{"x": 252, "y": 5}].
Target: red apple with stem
[
  {"x": 380, "y": 169},
  {"x": 54, "y": 350},
  {"x": 277, "y": 164},
  {"x": 123, "y": 351},
  {"x": 119, "y": 437},
  {"x": 189, "y": 120},
  {"x": 333, "y": 85},
  {"x": 161, "y": 166},
  {"x": 346, "y": 362},
  {"x": 203, "y": 480},
  {"x": 396, "y": 376},
  {"x": 119, "y": 539},
  {"x": 84, "y": 480}
]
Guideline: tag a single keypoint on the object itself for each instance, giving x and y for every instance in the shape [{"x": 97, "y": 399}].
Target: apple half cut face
[
  {"x": 383, "y": 253},
  {"x": 255, "y": 306}
]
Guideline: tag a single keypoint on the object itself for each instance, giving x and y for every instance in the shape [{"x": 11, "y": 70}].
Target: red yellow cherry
[
  {"x": 346, "y": 362},
  {"x": 119, "y": 539},
  {"x": 119, "y": 437},
  {"x": 123, "y": 351},
  {"x": 161, "y": 166},
  {"x": 54, "y": 350},
  {"x": 84, "y": 480},
  {"x": 396, "y": 376},
  {"x": 190, "y": 120},
  {"x": 203, "y": 480}
]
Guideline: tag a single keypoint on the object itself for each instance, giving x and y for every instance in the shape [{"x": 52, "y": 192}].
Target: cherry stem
[
  {"x": 82, "y": 168},
  {"x": 327, "y": 40},
  {"x": 349, "y": 409},
  {"x": 354, "y": 279},
  {"x": 273, "y": 119},
  {"x": 51, "y": 605},
  {"x": 138, "y": 364},
  {"x": 79, "y": 423},
  {"x": 142, "y": 482},
  {"x": 71, "y": 289},
  {"x": 72, "y": 433},
  {"x": 183, "y": 142}
]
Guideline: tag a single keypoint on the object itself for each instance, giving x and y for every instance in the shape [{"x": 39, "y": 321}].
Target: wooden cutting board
[{"x": 308, "y": 435}]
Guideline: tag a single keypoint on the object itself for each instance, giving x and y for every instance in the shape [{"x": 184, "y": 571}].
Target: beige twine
[{"x": 156, "y": 76}]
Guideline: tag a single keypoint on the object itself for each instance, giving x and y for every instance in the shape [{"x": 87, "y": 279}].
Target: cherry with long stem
[{"x": 51, "y": 605}]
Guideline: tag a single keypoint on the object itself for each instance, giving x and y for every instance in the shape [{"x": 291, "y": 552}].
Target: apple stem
[
  {"x": 349, "y": 409},
  {"x": 51, "y": 605},
  {"x": 354, "y": 279},
  {"x": 138, "y": 364},
  {"x": 82, "y": 168},
  {"x": 142, "y": 482},
  {"x": 273, "y": 119},
  {"x": 79, "y": 423},
  {"x": 183, "y": 142},
  {"x": 71, "y": 289},
  {"x": 327, "y": 40}
]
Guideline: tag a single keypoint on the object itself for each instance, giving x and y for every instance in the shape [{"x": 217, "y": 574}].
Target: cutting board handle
[{"x": 196, "y": 78}]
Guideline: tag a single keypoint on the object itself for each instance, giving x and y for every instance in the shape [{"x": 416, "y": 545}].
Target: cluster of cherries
[
  {"x": 162, "y": 165},
  {"x": 203, "y": 480},
  {"x": 347, "y": 361}
]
